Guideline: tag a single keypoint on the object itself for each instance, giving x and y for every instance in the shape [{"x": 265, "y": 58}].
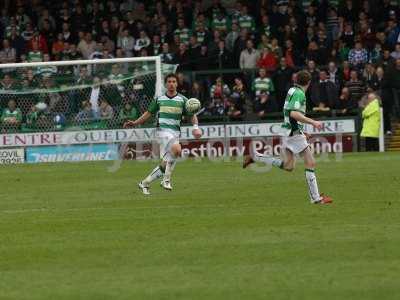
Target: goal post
[{"x": 89, "y": 94}]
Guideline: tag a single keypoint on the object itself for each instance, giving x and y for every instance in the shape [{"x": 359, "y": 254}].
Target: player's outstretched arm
[
  {"x": 196, "y": 130},
  {"x": 298, "y": 116},
  {"x": 141, "y": 120}
]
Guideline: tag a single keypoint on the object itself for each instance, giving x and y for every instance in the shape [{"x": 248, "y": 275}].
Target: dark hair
[
  {"x": 303, "y": 78},
  {"x": 170, "y": 75}
]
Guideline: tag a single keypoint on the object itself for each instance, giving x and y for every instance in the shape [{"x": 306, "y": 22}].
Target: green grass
[{"x": 78, "y": 231}]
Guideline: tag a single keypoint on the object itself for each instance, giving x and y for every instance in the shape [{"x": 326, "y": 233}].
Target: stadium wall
[{"x": 337, "y": 135}]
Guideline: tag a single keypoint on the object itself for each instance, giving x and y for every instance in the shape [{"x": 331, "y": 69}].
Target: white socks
[
  {"x": 154, "y": 175},
  {"x": 270, "y": 160},
  {"x": 169, "y": 169},
  {"x": 312, "y": 185}
]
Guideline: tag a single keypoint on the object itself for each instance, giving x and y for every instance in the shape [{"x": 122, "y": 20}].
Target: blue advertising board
[{"x": 72, "y": 153}]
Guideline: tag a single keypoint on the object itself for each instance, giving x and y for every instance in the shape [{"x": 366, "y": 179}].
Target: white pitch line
[{"x": 33, "y": 210}]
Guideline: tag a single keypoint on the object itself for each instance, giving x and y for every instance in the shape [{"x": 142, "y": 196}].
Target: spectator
[
  {"x": 128, "y": 113},
  {"x": 263, "y": 88},
  {"x": 237, "y": 100},
  {"x": 11, "y": 117},
  {"x": 67, "y": 34},
  {"x": 249, "y": 56},
  {"x": 324, "y": 93},
  {"x": 46, "y": 71},
  {"x": 7, "y": 54},
  {"x": 197, "y": 92},
  {"x": 38, "y": 42},
  {"x": 142, "y": 42},
  {"x": 376, "y": 83},
  {"x": 232, "y": 36},
  {"x": 246, "y": 21},
  {"x": 106, "y": 111},
  {"x": 166, "y": 56},
  {"x": 348, "y": 35},
  {"x": 291, "y": 55},
  {"x": 334, "y": 75},
  {"x": 368, "y": 73},
  {"x": 35, "y": 55},
  {"x": 371, "y": 116},
  {"x": 58, "y": 46},
  {"x": 126, "y": 42},
  {"x": 392, "y": 32},
  {"x": 358, "y": 56},
  {"x": 219, "y": 90},
  {"x": 18, "y": 43},
  {"x": 202, "y": 34},
  {"x": 155, "y": 48},
  {"x": 375, "y": 54},
  {"x": 355, "y": 86},
  {"x": 27, "y": 34},
  {"x": 182, "y": 58},
  {"x": 32, "y": 117},
  {"x": 396, "y": 53},
  {"x": 220, "y": 22},
  {"x": 267, "y": 60},
  {"x": 275, "y": 48},
  {"x": 240, "y": 45},
  {"x": 281, "y": 79},
  {"x": 193, "y": 48},
  {"x": 346, "y": 103},
  {"x": 183, "y": 85},
  {"x": 313, "y": 53},
  {"x": 386, "y": 59},
  {"x": 86, "y": 114},
  {"x": 87, "y": 46},
  {"x": 108, "y": 45},
  {"x": 313, "y": 70},
  {"x": 183, "y": 32},
  {"x": 265, "y": 27},
  {"x": 391, "y": 82},
  {"x": 204, "y": 60},
  {"x": 224, "y": 56}
]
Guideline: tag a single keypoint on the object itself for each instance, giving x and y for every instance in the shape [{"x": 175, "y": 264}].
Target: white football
[{"x": 193, "y": 105}]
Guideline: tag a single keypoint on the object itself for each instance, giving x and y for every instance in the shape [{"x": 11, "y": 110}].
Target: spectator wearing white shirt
[
  {"x": 126, "y": 42},
  {"x": 396, "y": 53},
  {"x": 7, "y": 54},
  {"x": 142, "y": 42},
  {"x": 249, "y": 56}
]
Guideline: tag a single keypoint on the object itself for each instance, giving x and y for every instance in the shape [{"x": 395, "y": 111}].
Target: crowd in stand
[{"x": 350, "y": 47}]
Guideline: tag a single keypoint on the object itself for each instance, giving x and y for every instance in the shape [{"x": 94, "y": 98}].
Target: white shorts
[
  {"x": 166, "y": 140},
  {"x": 296, "y": 143}
]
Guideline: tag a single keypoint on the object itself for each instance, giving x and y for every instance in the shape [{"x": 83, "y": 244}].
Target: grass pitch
[{"x": 78, "y": 231}]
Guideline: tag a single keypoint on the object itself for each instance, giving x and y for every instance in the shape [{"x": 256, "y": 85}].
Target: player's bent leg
[
  {"x": 257, "y": 157},
  {"x": 175, "y": 152},
  {"x": 155, "y": 174},
  {"x": 313, "y": 191},
  {"x": 288, "y": 159}
]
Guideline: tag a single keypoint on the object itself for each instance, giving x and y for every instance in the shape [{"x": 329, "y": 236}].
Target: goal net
[{"x": 85, "y": 94}]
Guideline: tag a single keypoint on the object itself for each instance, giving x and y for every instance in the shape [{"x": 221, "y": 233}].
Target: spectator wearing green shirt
[
  {"x": 11, "y": 117},
  {"x": 128, "y": 113},
  {"x": 35, "y": 55},
  {"x": 263, "y": 88},
  {"x": 183, "y": 32},
  {"x": 32, "y": 117},
  {"x": 246, "y": 21},
  {"x": 221, "y": 23}
]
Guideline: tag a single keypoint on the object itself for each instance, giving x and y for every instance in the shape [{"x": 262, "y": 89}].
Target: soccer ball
[{"x": 192, "y": 106}]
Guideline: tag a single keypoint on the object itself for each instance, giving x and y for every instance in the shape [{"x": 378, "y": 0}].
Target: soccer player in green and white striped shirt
[
  {"x": 294, "y": 140},
  {"x": 170, "y": 108}
]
